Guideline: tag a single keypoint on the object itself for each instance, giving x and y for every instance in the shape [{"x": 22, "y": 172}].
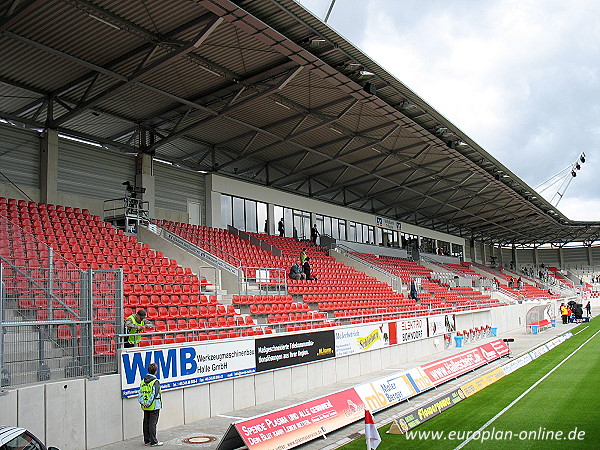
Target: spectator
[
  {"x": 314, "y": 233},
  {"x": 307, "y": 269},
  {"x": 281, "y": 227},
  {"x": 578, "y": 312},
  {"x": 511, "y": 283},
  {"x": 135, "y": 324},
  {"x": 296, "y": 272},
  {"x": 150, "y": 400},
  {"x": 303, "y": 255},
  {"x": 413, "y": 291},
  {"x": 564, "y": 312},
  {"x": 267, "y": 226},
  {"x": 588, "y": 309},
  {"x": 519, "y": 284}
]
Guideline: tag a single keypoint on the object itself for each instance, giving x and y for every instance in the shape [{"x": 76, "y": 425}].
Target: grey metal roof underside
[{"x": 265, "y": 92}]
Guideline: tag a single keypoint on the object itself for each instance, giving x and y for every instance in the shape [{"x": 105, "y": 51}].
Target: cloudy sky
[{"x": 521, "y": 78}]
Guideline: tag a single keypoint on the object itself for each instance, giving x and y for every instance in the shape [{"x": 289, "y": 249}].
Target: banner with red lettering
[
  {"x": 451, "y": 367},
  {"x": 290, "y": 427}
]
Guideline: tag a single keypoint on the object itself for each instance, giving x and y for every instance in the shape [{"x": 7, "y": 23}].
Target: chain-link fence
[{"x": 56, "y": 321}]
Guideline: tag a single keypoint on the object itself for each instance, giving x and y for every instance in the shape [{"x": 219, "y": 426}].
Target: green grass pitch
[{"x": 567, "y": 401}]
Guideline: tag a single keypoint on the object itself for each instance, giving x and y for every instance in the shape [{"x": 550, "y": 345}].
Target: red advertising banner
[
  {"x": 290, "y": 427},
  {"x": 451, "y": 367}
]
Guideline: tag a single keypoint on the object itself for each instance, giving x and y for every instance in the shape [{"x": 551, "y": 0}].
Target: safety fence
[{"x": 56, "y": 320}]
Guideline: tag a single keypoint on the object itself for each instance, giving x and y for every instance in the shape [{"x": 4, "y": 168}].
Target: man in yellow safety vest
[
  {"x": 150, "y": 400},
  {"x": 135, "y": 324}
]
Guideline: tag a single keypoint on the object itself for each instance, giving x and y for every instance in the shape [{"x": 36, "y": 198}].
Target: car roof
[{"x": 8, "y": 433}]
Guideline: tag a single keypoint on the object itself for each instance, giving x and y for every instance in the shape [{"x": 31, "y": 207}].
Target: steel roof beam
[{"x": 141, "y": 72}]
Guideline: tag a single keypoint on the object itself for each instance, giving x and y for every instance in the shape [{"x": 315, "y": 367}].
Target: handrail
[
  {"x": 200, "y": 252},
  {"x": 395, "y": 281}
]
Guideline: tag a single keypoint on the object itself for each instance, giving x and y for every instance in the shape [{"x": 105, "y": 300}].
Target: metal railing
[
  {"x": 395, "y": 281},
  {"x": 267, "y": 280},
  {"x": 56, "y": 321},
  {"x": 263, "y": 280}
]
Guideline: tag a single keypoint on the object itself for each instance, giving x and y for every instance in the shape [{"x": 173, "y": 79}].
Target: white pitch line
[
  {"x": 493, "y": 419},
  {"x": 584, "y": 328}
]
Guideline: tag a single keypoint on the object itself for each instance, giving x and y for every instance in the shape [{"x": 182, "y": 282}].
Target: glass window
[
  {"x": 342, "y": 229},
  {"x": 23, "y": 441},
  {"x": 251, "y": 225},
  {"x": 327, "y": 226},
  {"x": 457, "y": 250},
  {"x": 365, "y": 234},
  {"x": 427, "y": 245},
  {"x": 443, "y": 248},
  {"x": 352, "y": 231},
  {"x": 226, "y": 211},
  {"x": 238, "y": 213},
  {"x": 379, "y": 233},
  {"x": 335, "y": 230},
  {"x": 288, "y": 222},
  {"x": 261, "y": 216},
  {"x": 278, "y": 215}
]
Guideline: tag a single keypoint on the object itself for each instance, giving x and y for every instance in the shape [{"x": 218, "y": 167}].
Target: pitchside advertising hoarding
[
  {"x": 415, "y": 417},
  {"x": 451, "y": 367},
  {"x": 293, "y": 426},
  {"x": 290, "y": 427},
  {"x": 183, "y": 366},
  {"x": 384, "y": 392}
]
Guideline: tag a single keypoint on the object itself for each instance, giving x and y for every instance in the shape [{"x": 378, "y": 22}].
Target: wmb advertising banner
[{"x": 179, "y": 367}]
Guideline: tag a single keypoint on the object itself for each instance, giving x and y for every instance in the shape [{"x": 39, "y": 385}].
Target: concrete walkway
[{"x": 215, "y": 427}]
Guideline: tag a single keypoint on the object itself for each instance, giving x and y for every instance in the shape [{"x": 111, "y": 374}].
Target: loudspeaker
[{"x": 370, "y": 88}]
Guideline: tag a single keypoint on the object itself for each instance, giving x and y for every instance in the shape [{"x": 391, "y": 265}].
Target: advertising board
[{"x": 291, "y": 349}]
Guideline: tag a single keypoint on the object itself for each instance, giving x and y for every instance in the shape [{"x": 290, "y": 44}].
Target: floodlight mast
[
  {"x": 563, "y": 178},
  {"x": 329, "y": 10}
]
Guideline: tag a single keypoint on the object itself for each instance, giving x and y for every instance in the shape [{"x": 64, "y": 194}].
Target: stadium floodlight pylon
[{"x": 563, "y": 178}]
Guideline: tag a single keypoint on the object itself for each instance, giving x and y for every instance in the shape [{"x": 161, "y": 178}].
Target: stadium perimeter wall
[{"x": 87, "y": 413}]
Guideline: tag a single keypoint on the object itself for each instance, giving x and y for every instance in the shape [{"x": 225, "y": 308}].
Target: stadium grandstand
[{"x": 173, "y": 156}]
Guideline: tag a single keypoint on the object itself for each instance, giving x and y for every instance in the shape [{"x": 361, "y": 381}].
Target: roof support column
[
  {"x": 212, "y": 203},
  {"x": 49, "y": 166},
  {"x": 500, "y": 256},
  {"x": 144, "y": 170},
  {"x": 472, "y": 250},
  {"x": 561, "y": 258},
  {"x": 590, "y": 257},
  {"x": 144, "y": 178},
  {"x": 535, "y": 256},
  {"x": 514, "y": 262}
]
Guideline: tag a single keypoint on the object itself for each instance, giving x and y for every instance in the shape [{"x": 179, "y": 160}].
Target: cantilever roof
[{"x": 266, "y": 92}]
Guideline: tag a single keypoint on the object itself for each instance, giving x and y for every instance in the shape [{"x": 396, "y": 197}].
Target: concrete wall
[{"x": 90, "y": 412}]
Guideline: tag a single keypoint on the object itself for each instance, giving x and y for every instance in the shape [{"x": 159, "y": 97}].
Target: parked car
[{"x": 15, "y": 438}]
